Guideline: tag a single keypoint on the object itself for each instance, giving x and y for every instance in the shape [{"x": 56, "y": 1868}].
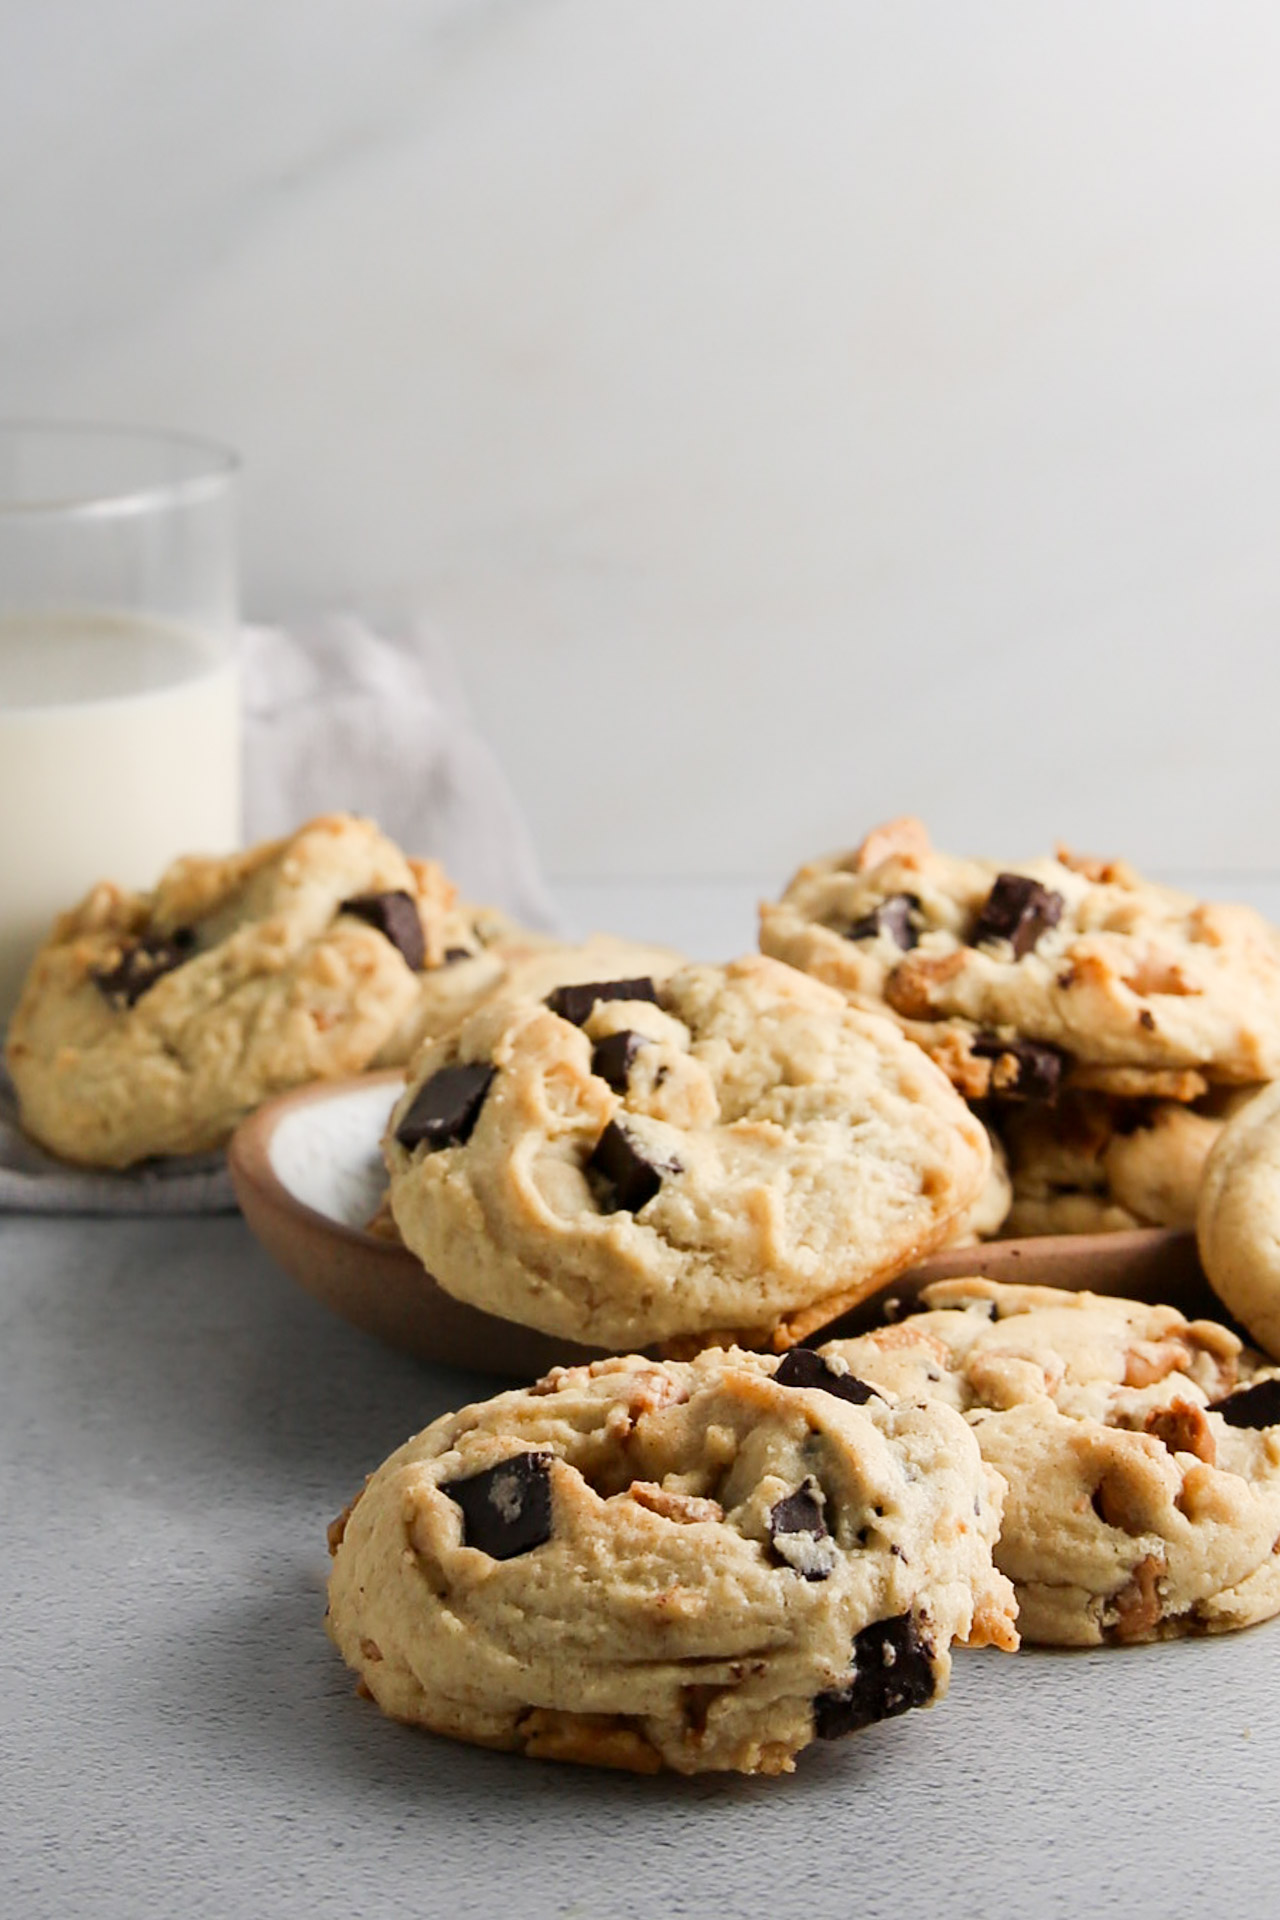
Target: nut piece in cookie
[
  {"x": 701, "y": 1566},
  {"x": 1141, "y": 1453},
  {"x": 631, "y": 1160}
]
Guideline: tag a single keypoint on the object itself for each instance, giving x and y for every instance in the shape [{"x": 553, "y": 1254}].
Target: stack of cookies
[{"x": 1103, "y": 1026}]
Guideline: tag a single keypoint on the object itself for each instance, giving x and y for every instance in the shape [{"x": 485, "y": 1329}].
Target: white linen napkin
[
  {"x": 342, "y": 716},
  {"x": 339, "y": 716}
]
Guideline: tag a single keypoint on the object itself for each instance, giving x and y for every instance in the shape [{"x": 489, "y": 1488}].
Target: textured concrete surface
[{"x": 178, "y": 1424}]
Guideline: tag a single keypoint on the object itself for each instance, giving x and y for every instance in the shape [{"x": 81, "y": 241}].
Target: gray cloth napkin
[{"x": 339, "y": 716}]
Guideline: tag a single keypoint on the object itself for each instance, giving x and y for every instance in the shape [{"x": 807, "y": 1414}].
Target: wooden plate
[{"x": 308, "y": 1174}]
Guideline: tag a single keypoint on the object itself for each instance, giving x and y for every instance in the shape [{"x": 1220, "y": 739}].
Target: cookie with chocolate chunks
[
  {"x": 152, "y": 1023},
  {"x": 740, "y": 1152},
  {"x": 1141, "y": 1452},
  {"x": 1131, "y": 988},
  {"x": 1089, "y": 1163},
  {"x": 690, "y": 1566}
]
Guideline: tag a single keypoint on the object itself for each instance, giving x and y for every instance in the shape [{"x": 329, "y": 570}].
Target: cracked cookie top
[{"x": 729, "y": 1149}]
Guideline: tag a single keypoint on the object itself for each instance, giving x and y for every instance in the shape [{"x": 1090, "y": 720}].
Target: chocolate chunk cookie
[
  {"x": 1093, "y": 1164},
  {"x": 1023, "y": 979},
  {"x": 731, "y": 1148},
  {"x": 1141, "y": 1452},
  {"x": 152, "y": 1023},
  {"x": 694, "y": 1566}
]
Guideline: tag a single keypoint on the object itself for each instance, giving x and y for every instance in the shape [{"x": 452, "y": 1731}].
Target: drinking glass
[{"x": 119, "y": 689}]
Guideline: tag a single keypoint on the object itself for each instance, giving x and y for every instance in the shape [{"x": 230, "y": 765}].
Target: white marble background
[{"x": 794, "y": 410}]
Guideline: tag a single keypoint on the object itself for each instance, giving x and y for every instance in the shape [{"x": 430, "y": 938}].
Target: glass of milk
[{"x": 119, "y": 694}]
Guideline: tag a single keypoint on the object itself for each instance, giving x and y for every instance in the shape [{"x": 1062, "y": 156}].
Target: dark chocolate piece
[
  {"x": 612, "y": 1057},
  {"x": 891, "y": 916},
  {"x": 446, "y": 1107},
  {"x": 1040, "y": 1067},
  {"x": 575, "y": 1003},
  {"x": 1257, "y": 1406},
  {"x": 140, "y": 966},
  {"x": 892, "y": 1673},
  {"x": 799, "y": 1533},
  {"x": 395, "y": 916},
  {"x": 453, "y": 954},
  {"x": 1018, "y": 910},
  {"x": 506, "y": 1510},
  {"x": 630, "y": 1179},
  {"x": 802, "y": 1367}
]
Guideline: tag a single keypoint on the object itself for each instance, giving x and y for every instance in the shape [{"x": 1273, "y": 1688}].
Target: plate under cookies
[{"x": 307, "y": 1172}]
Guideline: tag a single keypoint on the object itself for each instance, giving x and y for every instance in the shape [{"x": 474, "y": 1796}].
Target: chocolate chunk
[
  {"x": 1040, "y": 1067},
  {"x": 802, "y": 1367},
  {"x": 575, "y": 1003},
  {"x": 891, "y": 916},
  {"x": 630, "y": 1179},
  {"x": 1018, "y": 910},
  {"x": 799, "y": 1533},
  {"x": 1257, "y": 1406},
  {"x": 446, "y": 1107},
  {"x": 453, "y": 954},
  {"x": 395, "y": 916},
  {"x": 506, "y": 1510},
  {"x": 140, "y": 966},
  {"x": 892, "y": 1673},
  {"x": 612, "y": 1057}
]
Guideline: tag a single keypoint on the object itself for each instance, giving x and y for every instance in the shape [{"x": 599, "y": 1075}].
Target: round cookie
[
  {"x": 1238, "y": 1221},
  {"x": 693, "y": 1566},
  {"x": 732, "y": 1148},
  {"x": 1091, "y": 1164},
  {"x": 152, "y": 1023},
  {"x": 1013, "y": 978},
  {"x": 1141, "y": 1453},
  {"x": 517, "y": 964}
]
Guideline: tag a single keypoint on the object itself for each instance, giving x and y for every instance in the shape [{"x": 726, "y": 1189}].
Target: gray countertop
[
  {"x": 178, "y": 1423},
  {"x": 178, "y": 1426}
]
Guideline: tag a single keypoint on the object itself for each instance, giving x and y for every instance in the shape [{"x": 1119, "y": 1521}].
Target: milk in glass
[{"x": 119, "y": 749}]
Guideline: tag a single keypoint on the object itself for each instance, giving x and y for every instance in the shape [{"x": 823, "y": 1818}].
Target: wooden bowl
[{"x": 308, "y": 1174}]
